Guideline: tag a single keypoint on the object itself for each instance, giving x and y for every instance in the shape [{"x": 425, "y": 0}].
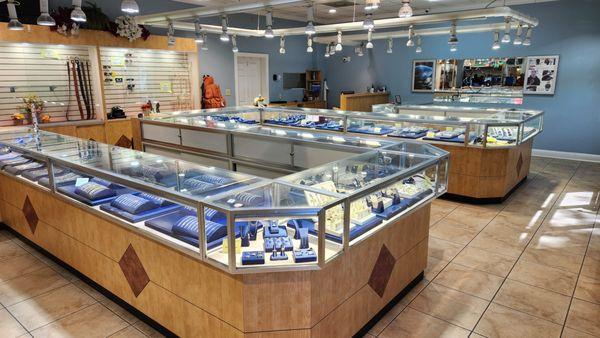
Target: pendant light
[
  {"x": 269, "y": 31},
  {"x": 369, "y": 40},
  {"x": 282, "y": 45},
  {"x": 369, "y": 23},
  {"x": 506, "y": 36},
  {"x": 45, "y": 19},
  {"x": 411, "y": 34},
  {"x": 234, "y": 47},
  {"x": 310, "y": 17},
  {"x": 518, "y": 41},
  {"x": 372, "y": 5},
  {"x": 198, "y": 32},
  {"x": 130, "y": 7},
  {"x": 309, "y": 43},
  {"x": 527, "y": 41},
  {"x": 405, "y": 11},
  {"x": 496, "y": 44},
  {"x": 14, "y": 24},
  {"x": 418, "y": 49},
  {"x": 390, "y": 46},
  {"x": 224, "y": 36},
  {"x": 171, "y": 34},
  {"x": 339, "y": 46},
  {"x": 77, "y": 13}
]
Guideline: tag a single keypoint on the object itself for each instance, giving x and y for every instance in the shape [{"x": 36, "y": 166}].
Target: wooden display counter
[
  {"x": 487, "y": 173},
  {"x": 194, "y": 299},
  {"x": 362, "y": 101},
  {"x": 304, "y": 104},
  {"x": 117, "y": 132}
]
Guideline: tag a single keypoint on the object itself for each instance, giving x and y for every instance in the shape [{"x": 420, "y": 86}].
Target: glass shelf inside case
[
  {"x": 305, "y": 118},
  {"x": 275, "y": 225}
]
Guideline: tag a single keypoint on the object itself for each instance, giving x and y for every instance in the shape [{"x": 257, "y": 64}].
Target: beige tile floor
[{"x": 529, "y": 267}]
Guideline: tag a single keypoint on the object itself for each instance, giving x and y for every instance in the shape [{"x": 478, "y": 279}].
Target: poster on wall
[
  {"x": 540, "y": 75},
  {"x": 423, "y": 71}
]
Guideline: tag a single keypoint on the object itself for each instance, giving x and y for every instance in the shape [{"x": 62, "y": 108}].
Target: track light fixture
[
  {"x": 418, "y": 49},
  {"x": 234, "y": 47},
  {"x": 130, "y": 7},
  {"x": 496, "y": 44},
  {"x": 224, "y": 36},
  {"x": 518, "y": 41},
  {"x": 339, "y": 46},
  {"x": 527, "y": 41},
  {"x": 506, "y": 36},
  {"x": 370, "y": 39},
  {"x": 331, "y": 48},
  {"x": 198, "y": 32},
  {"x": 411, "y": 34},
  {"x": 45, "y": 19},
  {"x": 269, "y": 31},
  {"x": 77, "y": 13},
  {"x": 309, "y": 43},
  {"x": 390, "y": 46},
  {"x": 171, "y": 34},
  {"x": 405, "y": 11},
  {"x": 14, "y": 24},
  {"x": 360, "y": 50},
  {"x": 310, "y": 18},
  {"x": 326, "y": 51},
  {"x": 369, "y": 23},
  {"x": 282, "y": 45},
  {"x": 372, "y": 5}
]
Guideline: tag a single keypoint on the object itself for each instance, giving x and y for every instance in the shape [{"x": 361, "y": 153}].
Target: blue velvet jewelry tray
[
  {"x": 452, "y": 140},
  {"x": 14, "y": 162},
  {"x": 393, "y": 210},
  {"x": 18, "y": 170},
  {"x": 142, "y": 216},
  {"x": 412, "y": 136},
  {"x": 305, "y": 255},
  {"x": 253, "y": 257},
  {"x": 369, "y": 130},
  {"x": 69, "y": 190},
  {"x": 60, "y": 180}
]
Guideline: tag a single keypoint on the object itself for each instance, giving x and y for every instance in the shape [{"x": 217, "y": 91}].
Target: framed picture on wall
[
  {"x": 422, "y": 75},
  {"x": 540, "y": 75}
]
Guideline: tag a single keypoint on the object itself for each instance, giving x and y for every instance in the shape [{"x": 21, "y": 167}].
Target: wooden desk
[{"x": 362, "y": 101}]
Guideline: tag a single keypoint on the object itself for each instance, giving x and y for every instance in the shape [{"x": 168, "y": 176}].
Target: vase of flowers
[{"x": 32, "y": 105}]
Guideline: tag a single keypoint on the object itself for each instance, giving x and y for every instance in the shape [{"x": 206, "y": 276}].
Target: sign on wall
[
  {"x": 540, "y": 75},
  {"x": 423, "y": 72}
]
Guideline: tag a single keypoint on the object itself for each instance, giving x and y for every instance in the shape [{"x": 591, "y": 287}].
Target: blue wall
[{"x": 569, "y": 28}]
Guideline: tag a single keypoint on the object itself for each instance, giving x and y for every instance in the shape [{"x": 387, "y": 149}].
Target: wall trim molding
[{"x": 566, "y": 155}]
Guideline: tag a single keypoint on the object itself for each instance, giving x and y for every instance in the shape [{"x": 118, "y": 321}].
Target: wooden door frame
[{"x": 264, "y": 58}]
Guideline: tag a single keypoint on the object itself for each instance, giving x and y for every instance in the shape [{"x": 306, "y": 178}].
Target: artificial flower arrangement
[
  {"x": 32, "y": 105},
  {"x": 46, "y": 118},
  {"x": 18, "y": 118},
  {"x": 147, "y": 108}
]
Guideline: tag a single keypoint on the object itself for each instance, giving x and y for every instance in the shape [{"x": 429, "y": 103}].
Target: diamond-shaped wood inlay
[
  {"x": 382, "y": 271},
  {"x": 134, "y": 271},
  {"x": 124, "y": 142},
  {"x": 520, "y": 164},
  {"x": 30, "y": 214}
]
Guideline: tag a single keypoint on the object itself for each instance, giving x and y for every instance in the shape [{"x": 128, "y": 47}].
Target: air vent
[{"x": 339, "y": 4}]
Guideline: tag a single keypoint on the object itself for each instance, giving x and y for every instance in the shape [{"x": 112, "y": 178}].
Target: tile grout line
[
  {"x": 63, "y": 317},
  {"x": 532, "y": 236},
  {"x": 15, "y": 318},
  {"x": 41, "y": 294}
]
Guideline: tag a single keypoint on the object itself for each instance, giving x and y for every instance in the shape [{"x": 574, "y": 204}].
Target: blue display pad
[
  {"x": 67, "y": 178},
  {"x": 18, "y": 170},
  {"x": 36, "y": 175},
  {"x": 361, "y": 228},
  {"x": 278, "y": 243},
  {"x": 369, "y": 130},
  {"x": 253, "y": 257},
  {"x": 69, "y": 190},
  {"x": 278, "y": 256},
  {"x": 412, "y": 136},
  {"x": 305, "y": 255},
  {"x": 274, "y": 231},
  {"x": 14, "y": 162},
  {"x": 394, "y": 209},
  {"x": 106, "y": 183},
  {"x": 158, "y": 210}
]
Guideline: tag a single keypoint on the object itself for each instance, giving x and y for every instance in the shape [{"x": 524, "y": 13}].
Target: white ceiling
[{"x": 347, "y": 11}]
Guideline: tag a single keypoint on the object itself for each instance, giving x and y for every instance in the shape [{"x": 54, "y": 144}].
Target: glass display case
[
  {"x": 237, "y": 222},
  {"x": 469, "y": 126}
]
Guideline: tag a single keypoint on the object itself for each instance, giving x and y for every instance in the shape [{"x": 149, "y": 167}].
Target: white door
[{"x": 249, "y": 81}]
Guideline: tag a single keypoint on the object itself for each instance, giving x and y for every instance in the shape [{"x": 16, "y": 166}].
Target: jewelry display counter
[
  {"x": 491, "y": 148},
  {"x": 208, "y": 252}
]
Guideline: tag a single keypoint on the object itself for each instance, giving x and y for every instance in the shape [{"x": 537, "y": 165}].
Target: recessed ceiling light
[{"x": 332, "y": 11}]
